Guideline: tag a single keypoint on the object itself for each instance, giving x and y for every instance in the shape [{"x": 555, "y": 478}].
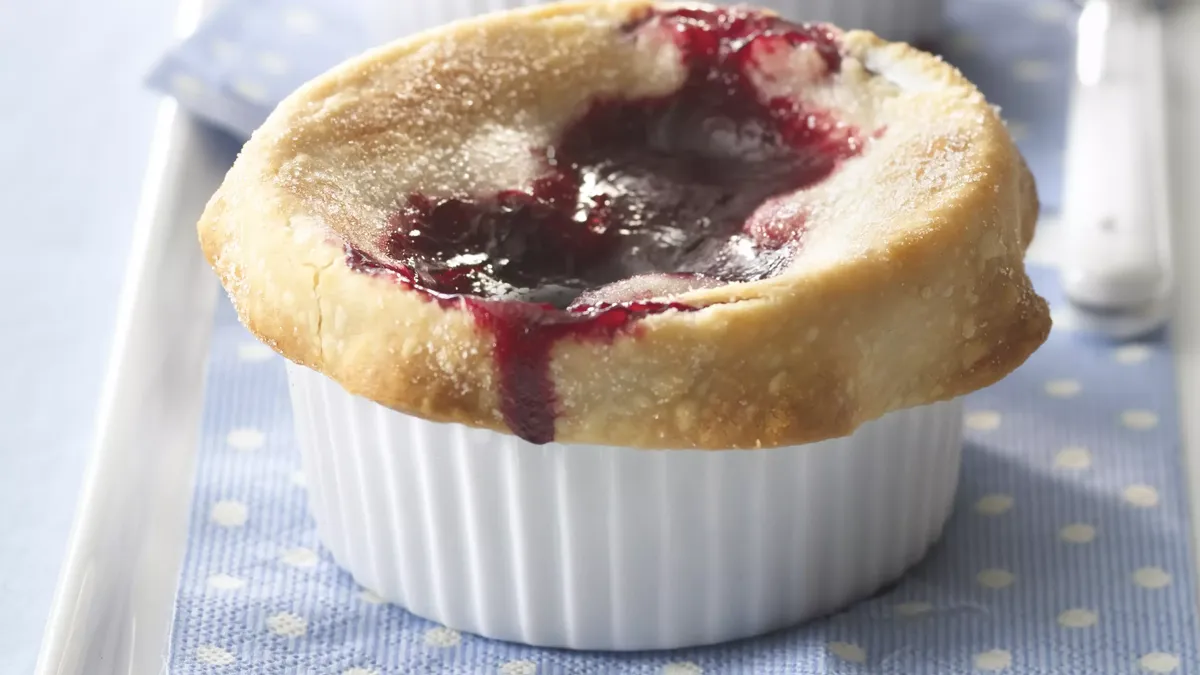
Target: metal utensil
[{"x": 1117, "y": 272}]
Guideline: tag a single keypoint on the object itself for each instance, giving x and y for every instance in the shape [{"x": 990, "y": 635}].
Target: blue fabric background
[{"x": 1068, "y": 552}]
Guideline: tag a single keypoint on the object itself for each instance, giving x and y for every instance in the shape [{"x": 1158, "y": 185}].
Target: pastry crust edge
[{"x": 798, "y": 358}]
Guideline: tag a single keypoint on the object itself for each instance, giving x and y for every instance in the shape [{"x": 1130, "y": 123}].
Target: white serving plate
[
  {"x": 113, "y": 606},
  {"x": 112, "y": 611}
]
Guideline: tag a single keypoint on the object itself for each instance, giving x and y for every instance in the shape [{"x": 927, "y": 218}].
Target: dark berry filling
[{"x": 640, "y": 199}]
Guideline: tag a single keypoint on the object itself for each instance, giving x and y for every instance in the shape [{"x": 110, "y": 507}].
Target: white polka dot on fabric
[
  {"x": 253, "y": 91},
  {"x": 301, "y": 21},
  {"x": 681, "y": 668},
  {"x": 1139, "y": 420},
  {"x": 245, "y": 439},
  {"x": 229, "y": 513},
  {"x": 1073, "y": 457},
  {"x": 1077, "y": 618},
  {"x": 1033, "y": 70},
  {"x": 1063, "y": 320},
  {"x": 912, "y": 608},
  {"x": 298, "y": 479},
  {"x": 994, "y": 504},
  {"x": 272, "y": 63},
  {"x": 286, "y": 624},
  {"x": 186, "y": 86},
  {"x": 254, "y": 352},
  {"x": 1063, "y": 388},
  {"x": 1159, "y": 662},
  {"x": 995, "y": 578},
  {"x": 995, "y": 659},
  {"x": 225, "y": 51},
  {"x": 519, "y": 668},
  {"x": 1131, "y": 354},
  {"x": 370, "y": 597},
  {"x": 360, "y": 671},
  {"x": 299, "y": 557},
  {"x": 1151, "y": 577},
  {"x": 441, "y": 636},
  {"x": 225, "y": 582},
  {"x": 1077, "y": 533},
  {"x": 848, "y": 651},
  {"x": 1142, "y": 496},
  {"x": 211, "y": 655},
  {"x": 983, "y": 420}
]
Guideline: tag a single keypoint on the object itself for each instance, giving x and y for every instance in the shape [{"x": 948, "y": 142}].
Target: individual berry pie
[{"x": 619, "y": 227}]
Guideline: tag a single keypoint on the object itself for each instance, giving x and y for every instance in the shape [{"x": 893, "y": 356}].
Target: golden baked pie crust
[{"x": 932, "y": 304}]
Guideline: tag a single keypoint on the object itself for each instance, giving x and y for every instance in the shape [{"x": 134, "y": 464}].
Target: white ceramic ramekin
[
  {"x": 590, "y": 547},
  {"x": 905, "y": 20}
]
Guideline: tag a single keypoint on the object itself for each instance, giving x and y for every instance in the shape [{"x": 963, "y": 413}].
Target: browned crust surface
[{"x": 930, "y": 301}]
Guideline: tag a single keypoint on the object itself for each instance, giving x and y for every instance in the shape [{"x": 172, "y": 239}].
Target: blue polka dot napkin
[{"x": 1068, "y": 552}]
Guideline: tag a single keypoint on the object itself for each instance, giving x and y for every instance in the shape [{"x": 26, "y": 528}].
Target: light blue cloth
[
  {"x": 250, "y": 54},
  {"x": 1068, "y": 552}
]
